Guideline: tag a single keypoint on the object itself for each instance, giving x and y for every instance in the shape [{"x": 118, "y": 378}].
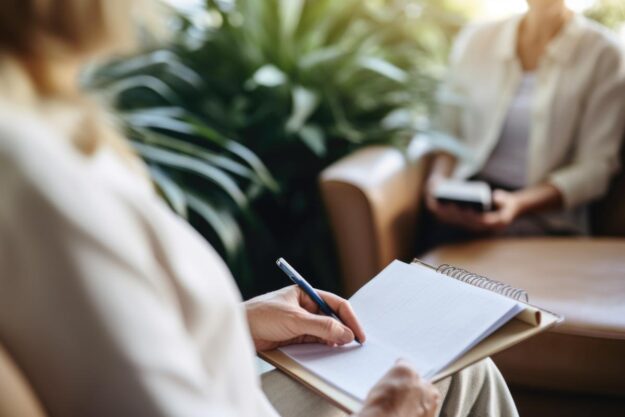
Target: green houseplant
[{"x": 253, "y": 99}]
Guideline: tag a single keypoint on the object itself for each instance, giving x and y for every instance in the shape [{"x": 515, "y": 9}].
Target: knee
[
  {"x": 478, "y": 390},
  {"x": 481, "y": 373},
  {"x": 272, "y": 377}
]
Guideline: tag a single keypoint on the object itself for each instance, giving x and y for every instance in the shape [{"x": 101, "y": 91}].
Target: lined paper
[{"x": 411, "y": 312}]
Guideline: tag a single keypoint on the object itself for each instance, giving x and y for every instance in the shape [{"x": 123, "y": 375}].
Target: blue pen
[{"x": 308, "y": 289}]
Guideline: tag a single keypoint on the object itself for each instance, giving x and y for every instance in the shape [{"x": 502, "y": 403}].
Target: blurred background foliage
[
  {"x": 239, "y": 113},
  {"x": 610, "y": 13},
  {"x": 291, "y": 85}
]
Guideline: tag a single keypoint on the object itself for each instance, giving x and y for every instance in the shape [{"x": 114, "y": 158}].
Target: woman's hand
[
  {"x": 289, "y": 316},
  {"x": 508, "y": 207},
  {"x": 455, "y": 215},
  {"x": 448, "y": 213},
  {"x": 401, "y": 393}
]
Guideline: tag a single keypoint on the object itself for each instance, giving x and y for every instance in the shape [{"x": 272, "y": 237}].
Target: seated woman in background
[
  {"x": 109, "y": 303},
  {"x": 540, "y": 104}
]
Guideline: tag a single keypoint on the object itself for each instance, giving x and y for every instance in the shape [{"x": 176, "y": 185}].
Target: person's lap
[
  {"x": 478, "y": 390},
  {"x": 435, "y": 233}
]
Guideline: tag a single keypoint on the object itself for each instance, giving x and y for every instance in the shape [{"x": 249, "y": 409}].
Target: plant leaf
[
  {"x": 290, "y": 14},
  {"x": 384, "y": 68},
  {"x": 321, "y": 56},
  {"x": 174, "y": 195},
  {"x": 269, "y": 76},
  {"x": 313, "y": 137},
  {"x": 163, "y": 58},
  {"x": 194, "y": 127},
  {"x": 304, "y": 104},
  {"x": 154, "y": 120},
  {"x": 238, "y": 149},
  {"x": 148, "y": 82},
  {"x": 190, "y": 149},
  {"x": 221, "y": 221},
  {"x": 194, "y": 166}
]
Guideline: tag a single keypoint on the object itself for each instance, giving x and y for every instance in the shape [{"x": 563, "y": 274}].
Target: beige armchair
[{"x": 372, "y": 199}]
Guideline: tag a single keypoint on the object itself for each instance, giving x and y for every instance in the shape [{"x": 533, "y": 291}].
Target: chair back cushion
[
  {"x": 608, "y": 214},
  {"x": 16, "y": 395}
]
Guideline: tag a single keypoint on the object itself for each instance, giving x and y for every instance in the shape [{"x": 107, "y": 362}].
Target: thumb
[
  {"x": 326, "y": 328},
  {"x": 499, "y": 197}
]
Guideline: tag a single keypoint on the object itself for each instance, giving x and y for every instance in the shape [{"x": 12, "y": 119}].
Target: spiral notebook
[{"x": 440, "y": 319}]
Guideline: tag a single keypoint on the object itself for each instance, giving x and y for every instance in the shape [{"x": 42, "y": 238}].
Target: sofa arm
[{"x": 372, "y": 198}]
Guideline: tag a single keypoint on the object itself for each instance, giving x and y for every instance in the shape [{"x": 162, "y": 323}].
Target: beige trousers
[{"x": 476, "y": 391}]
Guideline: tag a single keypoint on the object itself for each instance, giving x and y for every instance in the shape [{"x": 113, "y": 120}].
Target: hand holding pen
[
  {"x": 309, "y": 290},
  {"x": 289, "y": 316}
]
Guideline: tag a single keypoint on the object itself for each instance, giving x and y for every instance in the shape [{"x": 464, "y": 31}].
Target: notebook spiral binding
[{"x": 483, "y": 282}]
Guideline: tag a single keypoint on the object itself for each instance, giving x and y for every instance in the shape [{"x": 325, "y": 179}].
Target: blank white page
[{"x": 411, "y": 312}]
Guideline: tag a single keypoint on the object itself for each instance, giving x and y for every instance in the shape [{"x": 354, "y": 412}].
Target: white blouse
[
  {"x": 577, "y": 113},
  {"x": 110, "y": 304}
]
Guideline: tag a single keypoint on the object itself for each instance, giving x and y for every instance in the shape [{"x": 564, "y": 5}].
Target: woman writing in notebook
[
  {"x": 113, "y": 306},
  {"x": 539, "y": 101}
]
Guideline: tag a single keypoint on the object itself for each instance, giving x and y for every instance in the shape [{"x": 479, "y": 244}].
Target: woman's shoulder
[
  {"x": 488, "y": 28},
  {"x": 28, "y": 143},
  {"x": 595, "y": 36},
  {"x": 38, "y": 161},
  {"x": 484, "y": 37},
  {"x": 23, "y": 138},
  {"x": 598, "y": 48},
  {"x": 35, "y": 163}
]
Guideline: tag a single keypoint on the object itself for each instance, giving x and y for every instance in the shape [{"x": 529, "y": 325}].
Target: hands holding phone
[
  {"x": 471, "y": 206},
  {"x": 506, "y": 206}
]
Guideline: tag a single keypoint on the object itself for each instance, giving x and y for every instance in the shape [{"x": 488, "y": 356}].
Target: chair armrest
[{"x": 372, "y": 198}]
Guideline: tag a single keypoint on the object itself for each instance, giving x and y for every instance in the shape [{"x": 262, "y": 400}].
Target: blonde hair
[
  {"x": 32, "y": 28},
  {"x": 36, "y": 36}
]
